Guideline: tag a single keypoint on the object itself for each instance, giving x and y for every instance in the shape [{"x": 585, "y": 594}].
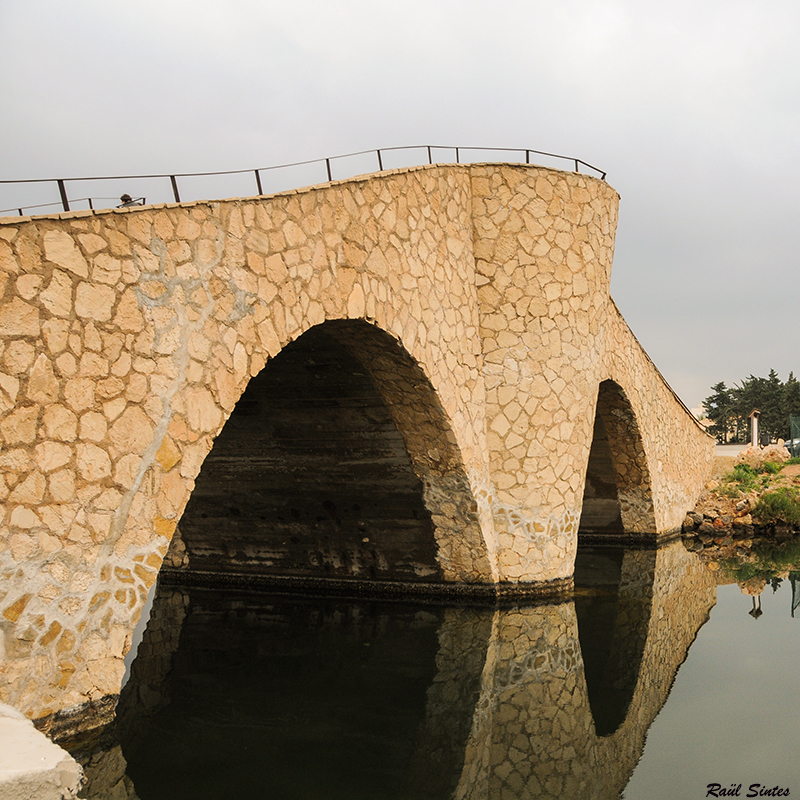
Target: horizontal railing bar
[
  {"x": 296, "y": 164},
  {"x": 60, "y": 182},
  {"x": 58, "y": 203}
]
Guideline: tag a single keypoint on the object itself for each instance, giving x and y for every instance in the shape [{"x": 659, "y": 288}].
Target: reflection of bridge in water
[{"x": 551, "y": 700}]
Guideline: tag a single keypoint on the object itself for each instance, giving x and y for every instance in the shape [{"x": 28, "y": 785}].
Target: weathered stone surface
[
  {"x": 18, "y": 318},
  {"x": 60, "y": 248}
]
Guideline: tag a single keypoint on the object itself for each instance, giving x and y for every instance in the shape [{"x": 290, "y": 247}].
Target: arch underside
[
  {"x": 337, "y": 462},
  {"x": 618, "y": 498}
]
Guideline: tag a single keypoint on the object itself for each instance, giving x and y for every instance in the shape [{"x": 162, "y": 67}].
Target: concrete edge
[{"x": 31, "y": 766}]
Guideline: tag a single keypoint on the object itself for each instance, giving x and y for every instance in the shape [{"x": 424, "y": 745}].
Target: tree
[
  {"x": 718, "y": 408},
  {"x": 729, "y": 408},
  {"x": 774, "y": 420},
  {"x": 791, "y": 396}
]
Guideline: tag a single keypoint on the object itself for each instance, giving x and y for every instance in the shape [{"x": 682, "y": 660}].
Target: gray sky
[{"x": 691, "y": 107}]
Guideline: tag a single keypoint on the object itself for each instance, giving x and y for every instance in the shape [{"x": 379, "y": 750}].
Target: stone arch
[
  {"x": 338, "y": 461},
  {"x": 618, "y": 495}
]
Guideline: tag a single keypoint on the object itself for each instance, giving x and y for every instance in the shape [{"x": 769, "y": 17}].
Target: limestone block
[
  {"x": 60, "y": 248},
  {"x": 57, "y": 297},
  {"x": 19, "y": 427},
  {"x": 94, "y": 301},
  {"x": 19, "y": 318},
  {"x": 19, "y": 356},
  {"x": 42, "y": 384},
  {"x": 93, "y": 462}
]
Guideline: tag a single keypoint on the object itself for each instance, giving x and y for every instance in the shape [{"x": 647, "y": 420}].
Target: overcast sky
[{"x": 691, "y": 107}]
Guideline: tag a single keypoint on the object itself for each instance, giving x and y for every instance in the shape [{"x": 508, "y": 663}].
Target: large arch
[
  {"x": 618, "y": 495},
  {"x": 338, "y": 461}
]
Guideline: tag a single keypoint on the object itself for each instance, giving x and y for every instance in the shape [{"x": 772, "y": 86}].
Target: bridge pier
[
  {"x": 543, "y": 253},
  {"x": 473, "y": 303}
]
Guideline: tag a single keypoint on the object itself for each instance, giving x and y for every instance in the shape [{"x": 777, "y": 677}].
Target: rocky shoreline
[{"x": 722, "y": 512}]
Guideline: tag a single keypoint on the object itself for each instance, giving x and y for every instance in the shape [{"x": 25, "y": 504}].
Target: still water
[{"x": 652, "y": 682}]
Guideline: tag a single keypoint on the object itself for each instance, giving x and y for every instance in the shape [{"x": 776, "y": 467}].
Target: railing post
[
  {"x": 63, "y": 192},
  {"x": 430, "y": 157},
  {"x": 258, "y": 182},
  {"x": 577, "y": 168},
  {"x": 175, "y": 188},
  {"x": 328, "y": 167},
  {"x": 527, "y": 156},
  {"x": 380, "y": 161},
  {"x": 457, "y": 161},
  {"x": 90, "y": 203},
  {"x": 20, "y": 212}
]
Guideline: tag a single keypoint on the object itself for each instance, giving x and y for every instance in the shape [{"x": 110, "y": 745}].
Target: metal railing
[{"x": 66, "y": 203}]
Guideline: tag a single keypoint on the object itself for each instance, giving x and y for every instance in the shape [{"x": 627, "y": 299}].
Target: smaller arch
[{"x": 618, "y": 496}]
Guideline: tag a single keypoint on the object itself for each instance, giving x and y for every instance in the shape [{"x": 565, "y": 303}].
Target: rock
[
  {"x": 705, "y": 529},
  {"x": 756, "y": 457}
]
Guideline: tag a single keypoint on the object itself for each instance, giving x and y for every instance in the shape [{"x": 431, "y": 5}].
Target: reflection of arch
[
  {"x": 613, "y": 621},
  {"x": 353, "y": 697},
  {"x": 338, "y": 461},
  {"x": 618, "y": 494}
]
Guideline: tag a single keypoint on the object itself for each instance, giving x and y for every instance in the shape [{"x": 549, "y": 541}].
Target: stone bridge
[{"x": 415, "y": 380}]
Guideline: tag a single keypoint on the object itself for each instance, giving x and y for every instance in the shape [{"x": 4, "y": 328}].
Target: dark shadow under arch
[
  {"x": 617, "y": 499},
  {"x": 335, "y": 463}
]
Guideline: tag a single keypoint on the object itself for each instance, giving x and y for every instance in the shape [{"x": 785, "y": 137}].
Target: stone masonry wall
[
  {"x": 677, "y": 455},
  {"x": 544, "y": 243},
  {"x": 127, "y": 337}
]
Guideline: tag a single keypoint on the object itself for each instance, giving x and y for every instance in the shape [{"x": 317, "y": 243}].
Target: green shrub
[
  {"x": 771, "y": 467},
  {"x": 793, "y": 460},
  {"x": 780, "y": 505},
  {"x": 743, "y": 478}
]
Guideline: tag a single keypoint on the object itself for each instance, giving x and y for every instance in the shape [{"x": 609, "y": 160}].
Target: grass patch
[
  {"x": 742, "y": 478},
  {"x": 779, "y": 505},
  {"x": 792, "y": 460}
]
